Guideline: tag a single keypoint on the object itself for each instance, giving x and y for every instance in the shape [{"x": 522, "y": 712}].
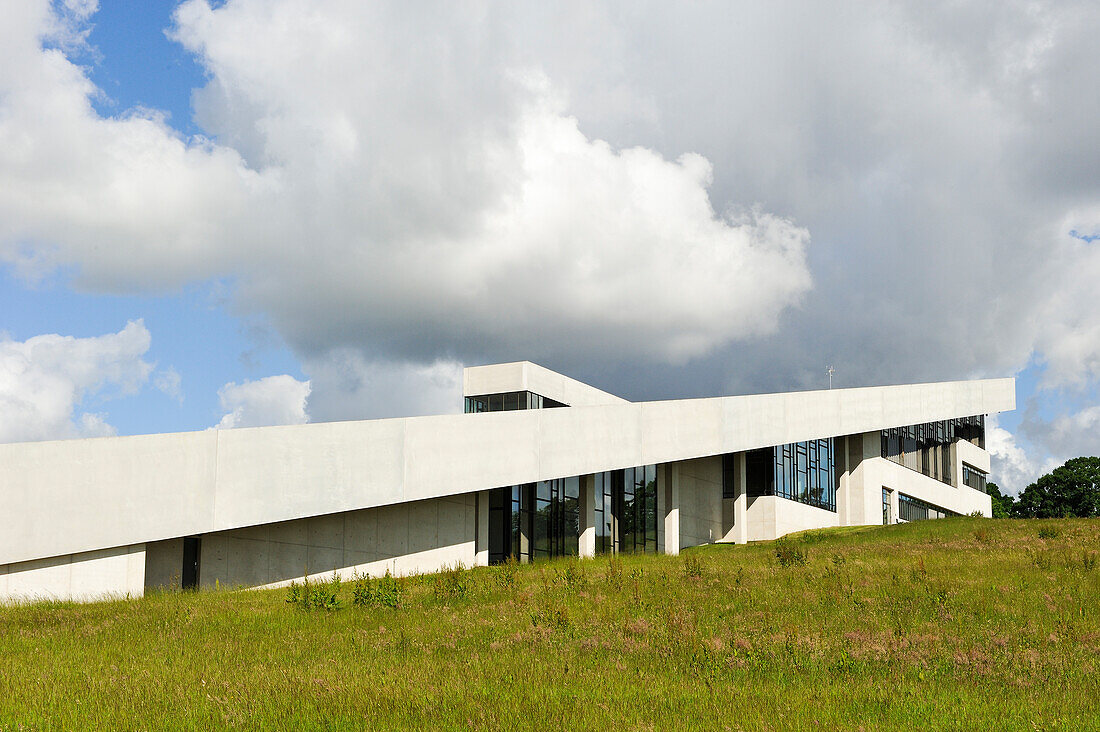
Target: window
[
  {"x": 800, "y": 471},
  {"x": 540, "y": 520},
  {"x": 886, "y": 506},
  {"x": 926, "y": 447},
  {"x": 973, "y": 478},
  {"x": 508, "y": 401},
  {"x": 914, "y": 509}
]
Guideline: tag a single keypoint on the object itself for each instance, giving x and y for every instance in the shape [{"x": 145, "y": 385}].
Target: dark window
[
  {"x": 801, "y": 471},
  {"x": 729, "y": 476},
  {"x": 914, "y": 509},
  {"x": 508, "y": 401},
  {"x": 973, "y": 478},
  {"x": 927, "y": 447}
]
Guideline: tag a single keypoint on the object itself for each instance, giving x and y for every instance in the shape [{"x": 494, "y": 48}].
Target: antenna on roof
[{"x": 829, "y": 370}]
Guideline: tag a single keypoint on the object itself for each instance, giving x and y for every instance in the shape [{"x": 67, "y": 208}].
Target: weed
[
  {"x": 1048, "y": 532},
  {"x": 982, "y": 535},
  {"x": 315, "y": 595},
  {"x": 452, "y": 584},
  {"x": 693, "y": 567},
  {"x": 838, "y": 559},
  {"x": 789, "y": 555},
  {"x": 506, "y": 573},
  {"x": 614, "y": 573},
  {"x": 1088, "y": 561},
  {"x": 383, "y": 592},
  {"x": 574, "y": 577}
]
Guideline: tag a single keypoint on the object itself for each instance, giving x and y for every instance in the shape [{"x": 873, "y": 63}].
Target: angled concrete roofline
[
  {"x": 74, "y": 496},
  {"x": 527, "y": 376}
]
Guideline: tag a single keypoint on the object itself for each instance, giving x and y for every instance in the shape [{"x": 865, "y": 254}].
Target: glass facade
[
  {"x": 800, "y": 471},
  {"x": 508, "y": 401},
  {"x": 914, "y": 509},
  {"x": 926, "y": 447},
  {"x": 540, "y": 520},
  {"x": 973, "y": 477}
]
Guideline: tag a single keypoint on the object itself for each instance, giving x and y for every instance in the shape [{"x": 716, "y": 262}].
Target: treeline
[{"x": 1072, "y": 490}]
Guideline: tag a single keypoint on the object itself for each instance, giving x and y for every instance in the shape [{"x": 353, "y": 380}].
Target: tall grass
[{"x": 950, "y": 624}]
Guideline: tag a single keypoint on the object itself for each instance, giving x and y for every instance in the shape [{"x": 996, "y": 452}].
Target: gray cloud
[{"x": 663, "y": 199}]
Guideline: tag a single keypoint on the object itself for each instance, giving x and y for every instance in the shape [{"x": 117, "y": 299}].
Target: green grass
[{"x": 951, "y": 624}]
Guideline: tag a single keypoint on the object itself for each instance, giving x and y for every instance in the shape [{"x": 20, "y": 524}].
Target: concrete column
[
  {"x": 741, "y": 502},
  {"x": 587, "y": 511},
  {"x": 481, "y": 553},
  {"x": 672, "y": 510}
]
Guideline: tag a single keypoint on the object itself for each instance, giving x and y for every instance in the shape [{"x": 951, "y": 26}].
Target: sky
[{"x": 248, "y": 212}]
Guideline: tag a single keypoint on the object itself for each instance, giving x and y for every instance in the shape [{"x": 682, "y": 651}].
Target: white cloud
[
  {"x": 438, "y": 202},
  {"x": 348, "y": 386},
  {"x": 1014, "y": 467},
  {"x": 623, "y": 190},
  {"x": 168, "y": 381},
  {"x": 45, "y": 380},
  {"x": 272, "y": 400}
]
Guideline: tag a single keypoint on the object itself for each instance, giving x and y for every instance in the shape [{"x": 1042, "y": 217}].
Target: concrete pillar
[
  {"x": 481, "y": 553},
  {"x": 672, "y": 510},
  {"x": 741, "y": 502},
  {"x": 587, "y": 516}
]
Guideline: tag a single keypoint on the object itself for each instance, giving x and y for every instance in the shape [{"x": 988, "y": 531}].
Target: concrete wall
[
  {"x": 88, "y": 576},
  {"x": 81, "y": 495},
  {"x": 164, "y": 564},
  {"x": 879, "y": 473},
  {"x": 770, "y": 517},
  {"x": 700, "y": 501},
  {"x": 408, "y": 538}
]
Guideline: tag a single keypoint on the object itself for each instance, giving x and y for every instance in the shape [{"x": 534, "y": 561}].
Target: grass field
[{"x": 950, "y": 624}]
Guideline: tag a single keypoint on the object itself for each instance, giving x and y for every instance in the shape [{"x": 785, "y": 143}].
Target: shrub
[{"x": 789, "y": 555}]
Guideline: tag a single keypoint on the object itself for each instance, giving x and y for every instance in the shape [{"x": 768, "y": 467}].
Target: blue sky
[{"x": 335, "y": 207}]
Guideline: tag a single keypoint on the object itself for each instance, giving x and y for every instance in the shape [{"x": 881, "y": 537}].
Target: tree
[
  {"x": 1071, "y": 490},
  {"x": 1003, "y": 505}
]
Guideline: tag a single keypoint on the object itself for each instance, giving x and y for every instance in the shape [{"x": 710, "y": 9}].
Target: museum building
[{"x": 539, "y": 465}]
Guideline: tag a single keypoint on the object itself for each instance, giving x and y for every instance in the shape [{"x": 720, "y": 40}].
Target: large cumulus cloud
[{"x": 622, "y": 190}]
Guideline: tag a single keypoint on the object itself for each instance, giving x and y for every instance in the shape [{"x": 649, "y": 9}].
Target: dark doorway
[{"x": 191, "y": 562}]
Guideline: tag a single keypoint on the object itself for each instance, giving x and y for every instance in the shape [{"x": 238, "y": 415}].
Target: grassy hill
[{"x": 953, "y": 624}]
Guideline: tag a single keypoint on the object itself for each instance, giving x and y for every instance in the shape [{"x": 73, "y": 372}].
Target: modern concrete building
[{"x": 539, "y": 465}]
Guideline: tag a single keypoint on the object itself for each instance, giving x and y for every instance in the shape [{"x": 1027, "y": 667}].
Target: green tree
[
  {"x": 1071, "y": 490},
  {"x": 1003, "y": 504}
]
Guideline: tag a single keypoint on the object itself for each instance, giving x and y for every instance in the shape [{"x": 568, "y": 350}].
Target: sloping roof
[{"x": 80, "y": 495}]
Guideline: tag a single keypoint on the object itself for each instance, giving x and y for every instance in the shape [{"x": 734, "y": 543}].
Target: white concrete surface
[
  {"x": 80, "y": 496},
  {"x": 526, "y": 376},
  {"x": 700, "y": 501},
  {"x": 97, "y": 575},
  {"x": 410, "y": 538}
]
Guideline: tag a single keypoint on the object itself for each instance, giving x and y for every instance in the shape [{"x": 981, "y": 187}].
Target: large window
[
  {"x": 800, "y": 471},
  {"x": 508, "y": 401},
  {"x": 974, "y": 478},
  {"x": 926, "y": 447},
  {"x": 538, "y": 520},
  {"x": 638, "y": 508},
  {"x": 914, "y": 509}
]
